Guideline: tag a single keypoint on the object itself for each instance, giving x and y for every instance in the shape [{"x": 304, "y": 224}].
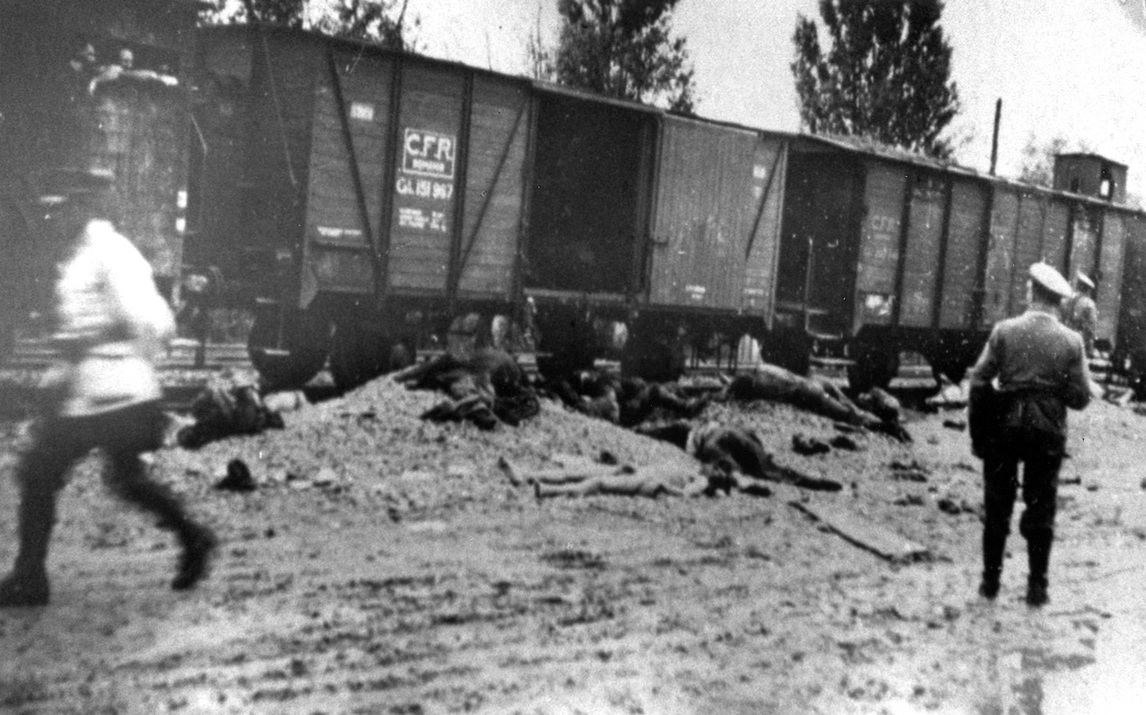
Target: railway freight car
[
  {"x": 350, "y": 192},
  {"x": 85, "y": 85},
  {"x": 667, "y": 224},
  {"x": 884, "y": 252},
  {"x": 357, "y": 195}
]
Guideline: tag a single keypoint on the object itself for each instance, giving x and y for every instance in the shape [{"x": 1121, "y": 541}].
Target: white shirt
[{"x": 112, "y": 324}]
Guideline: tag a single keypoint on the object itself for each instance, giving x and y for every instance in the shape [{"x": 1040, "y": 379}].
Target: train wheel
[
  {"x": 792, "y": 352},
  {"x": 654, "y": 357},
  {"x": 955, "y": 372},
  {"x": 298, "y": 356},
  {"x": 872, "y": 367},
  {"x": 360, "y": 355}
]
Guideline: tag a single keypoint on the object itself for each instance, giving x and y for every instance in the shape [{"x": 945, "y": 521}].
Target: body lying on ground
[
  {"x": 739, "y": 448},
  {"x": 626, "y": 401},
  {"x": 583, "y": 477},
  {"x": 485, "y": 388},
  {"x": 224, "y": 410},
  {"x": 775, "y": 384}
]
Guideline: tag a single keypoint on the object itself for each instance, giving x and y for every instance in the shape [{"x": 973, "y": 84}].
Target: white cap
[
  {"x": 1085, "y": 280},
  {"x": 1046, "y": 276}
]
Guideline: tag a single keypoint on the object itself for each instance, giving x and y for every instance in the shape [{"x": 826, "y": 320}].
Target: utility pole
[{"x": 995, "y": 134}]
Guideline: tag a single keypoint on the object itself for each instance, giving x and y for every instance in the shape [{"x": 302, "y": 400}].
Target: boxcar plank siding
[
  {"x": 921, "y": 261},
  {"x": 964, "y": 241},
  {"x": 705, "y": 208},
  {"x": 1109, "y": 278},
  {"x": 1000, "y": 256},
  {"x": 334, "y": 216},
  {"x": 1054, "y": 248},
  {"x": 421, "y": 228},
  {"x": 139, "y": 135},
  {"x": 1028, "y": 248},
  {"x": 759, "y": 282},
  {"x": 1085, "y": 225},
  {"x": 341, "y": 270},
  {"x": 497, "y": 140},
  {"x": 879, "y": 242},
  {"x": 276, "y": 183},
  {"x": 1132, "y": 312}
]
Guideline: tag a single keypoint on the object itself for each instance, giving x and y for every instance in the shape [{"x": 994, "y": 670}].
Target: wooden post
[{"x": 995, "y": 134}]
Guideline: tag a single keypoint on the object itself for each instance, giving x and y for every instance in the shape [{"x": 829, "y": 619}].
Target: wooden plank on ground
[{"x": 863, "y": 533}]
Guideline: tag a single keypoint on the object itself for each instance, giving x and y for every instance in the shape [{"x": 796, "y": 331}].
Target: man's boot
[
  {"x": 198, "y": 545},
  {"x": 1038, "y": 556},
  {"x": 994, "y": 548},
  {"x": 27, "y": 584},
  {"x": 128, "y": 478}
]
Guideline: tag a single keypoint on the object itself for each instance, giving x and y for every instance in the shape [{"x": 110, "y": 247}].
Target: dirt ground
[{"x": 386, "y": 565}]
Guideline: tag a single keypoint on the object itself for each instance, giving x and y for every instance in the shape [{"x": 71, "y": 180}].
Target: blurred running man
[{"x": 111, "y": 326}]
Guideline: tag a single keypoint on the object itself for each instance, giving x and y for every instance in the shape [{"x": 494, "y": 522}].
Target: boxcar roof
[
  {"x": 881, "y": 151},
  {"x": 843, "y": 143}
]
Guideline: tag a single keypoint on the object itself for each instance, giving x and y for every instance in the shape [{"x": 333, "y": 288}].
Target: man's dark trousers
[
  {"x": 1041, "y": 455},
  {"x": 123, "y": 434}
]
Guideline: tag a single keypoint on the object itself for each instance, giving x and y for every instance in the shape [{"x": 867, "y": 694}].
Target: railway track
[
  {"x": 183, "y": 354},
  {"x": 187, "y": 366},
  {"x": 183, "y": 372}
]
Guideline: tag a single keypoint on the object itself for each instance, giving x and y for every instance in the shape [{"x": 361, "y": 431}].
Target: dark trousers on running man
[
  {"x": 122, "y": 434},
  {"x": 1041, "y": 455}
]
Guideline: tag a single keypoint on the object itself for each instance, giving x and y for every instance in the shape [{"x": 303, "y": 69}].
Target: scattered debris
[
  {"x": 1119, "y": 396},
  {"x": 238, "y": 478},
  {"x": 842, "y": 441},
  {"x": 809, "y": 446},
  {"x": 863, "y": 533},
  {"x": 948, "y": 505},
  {"x": 910, "y": 500},
  {"x": 911, "y": 471}
]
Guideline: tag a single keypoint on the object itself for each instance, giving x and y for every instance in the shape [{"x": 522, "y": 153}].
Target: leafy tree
[
  {"x": 622, "y": 48},
  {"x": 884, "y": 77},
  {"x": 539, "y": 57},
  {"x": 1038, "y": 160},
  {"x": 380, "y": 21}
]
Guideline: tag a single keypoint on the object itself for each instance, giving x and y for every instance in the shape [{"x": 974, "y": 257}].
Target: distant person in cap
[
  {"x": 110, "y": 327},
  {"x": 1080, "y": 313},
  {"x": 1032, "y": 369}
]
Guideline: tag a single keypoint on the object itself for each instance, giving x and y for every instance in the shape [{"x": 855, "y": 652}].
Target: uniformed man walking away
[
  {"x": 111, "y": 325},
  {"x": 1032, "y": 369}
]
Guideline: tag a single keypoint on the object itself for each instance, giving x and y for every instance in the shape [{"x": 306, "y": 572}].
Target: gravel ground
[{"x": 387, "y": 565}]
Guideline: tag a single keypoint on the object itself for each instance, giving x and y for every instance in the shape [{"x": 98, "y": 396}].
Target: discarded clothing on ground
[
  {"x": 224, "y": 410},
  {"x": 776, "y": 384},
  {"x": 734, "y": 449},
  {"x": 487, "y": 388}
]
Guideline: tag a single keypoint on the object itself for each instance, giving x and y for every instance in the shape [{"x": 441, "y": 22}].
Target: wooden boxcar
[
  {"x": 351, "y": 190},
  {"x": 667, "y": 224},
  {"x": 70, "y": 97},
  {"x": 885, "y": 252}
]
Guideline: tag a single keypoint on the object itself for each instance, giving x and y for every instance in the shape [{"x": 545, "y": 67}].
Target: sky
[{"x": 1070, "y": 68}]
